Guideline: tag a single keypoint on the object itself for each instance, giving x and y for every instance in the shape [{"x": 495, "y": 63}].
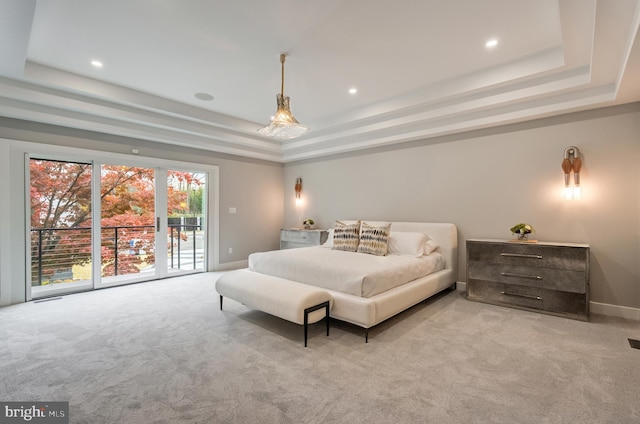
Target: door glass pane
[
  {"x": 60, "y": 197},
  {"x": 127, "y": 223},
  {"x": 186, "y": 226}
]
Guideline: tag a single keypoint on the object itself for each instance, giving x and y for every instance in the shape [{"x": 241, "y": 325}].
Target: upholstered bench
[{"x": 296, "y": 302}]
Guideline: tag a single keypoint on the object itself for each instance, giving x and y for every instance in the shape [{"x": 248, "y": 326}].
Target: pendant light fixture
[{"x": 283, "y": 126}]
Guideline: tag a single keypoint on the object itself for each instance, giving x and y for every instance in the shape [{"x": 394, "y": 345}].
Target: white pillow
[
  {"x": 430, "y": 246},
  {"x": 329, "y": 242},
  {"x": 407, "y": 243}
]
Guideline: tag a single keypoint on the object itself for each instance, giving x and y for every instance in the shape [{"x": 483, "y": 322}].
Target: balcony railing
[{"x": 55, "y": 251}]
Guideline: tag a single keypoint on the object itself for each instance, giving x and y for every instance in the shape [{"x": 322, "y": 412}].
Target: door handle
[{"x": 157, "y": 223}]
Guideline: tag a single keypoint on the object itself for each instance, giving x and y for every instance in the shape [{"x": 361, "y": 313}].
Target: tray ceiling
[{"x": 421, "y": 68}]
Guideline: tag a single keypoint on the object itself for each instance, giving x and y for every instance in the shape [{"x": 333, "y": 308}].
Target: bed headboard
[{"x": 446, "y": 234}]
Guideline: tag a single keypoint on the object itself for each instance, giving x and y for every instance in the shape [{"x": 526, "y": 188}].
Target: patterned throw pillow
[
  {"x": 374, "y": 240},
  {"x": 346, "y": 237}
]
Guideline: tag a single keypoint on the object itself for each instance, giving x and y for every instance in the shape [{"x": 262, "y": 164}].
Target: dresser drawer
[
  {"x": 299, "y": 236},
  {"x": 505, "y": 294},
  {"x": 561, "y": 303},
  {"x": 521, "y": 254},
  {"x": 548, "y": 278},
  {"x": 292, "y": 238},
  {"x": 293, "y": 244}
]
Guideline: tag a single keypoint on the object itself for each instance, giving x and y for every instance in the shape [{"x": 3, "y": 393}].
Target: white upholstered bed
[{"x": 361, "y": 304}]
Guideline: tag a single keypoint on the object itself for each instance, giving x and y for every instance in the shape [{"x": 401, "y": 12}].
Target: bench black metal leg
[
  {"x": 306, "y": 318},
  {"x": 220, "y": 302},
  {"x": 327, "y": 317}
]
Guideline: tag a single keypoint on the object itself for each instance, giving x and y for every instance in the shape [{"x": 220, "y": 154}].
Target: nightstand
[
  {"x": 298, "y": 237},
  {"x": 543, "y": 277}
]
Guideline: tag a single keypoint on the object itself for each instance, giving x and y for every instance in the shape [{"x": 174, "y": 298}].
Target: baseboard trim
[
  {"x": 615, "y": 311},
  {"x": 228, "y": 266},
  {"x": 461, "y": 286}
]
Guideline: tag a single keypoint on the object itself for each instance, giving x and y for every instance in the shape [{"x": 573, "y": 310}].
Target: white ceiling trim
[
  {"x": 500, "y": 115},
  {"x": 15, "y": 27},
  {"x": 632, "y": 38}
]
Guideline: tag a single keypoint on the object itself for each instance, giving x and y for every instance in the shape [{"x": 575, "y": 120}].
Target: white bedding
[{"x": 348, "y": 272}]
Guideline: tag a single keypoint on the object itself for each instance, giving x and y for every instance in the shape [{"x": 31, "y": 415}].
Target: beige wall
[
  {"x": 483, "y": 181},
  {"x": 488, "y": 180}
]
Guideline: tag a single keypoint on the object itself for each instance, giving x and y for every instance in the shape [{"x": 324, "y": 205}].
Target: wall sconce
[
  {"x": 571, "y": 162},
  {"x": 298, "y": 189}
]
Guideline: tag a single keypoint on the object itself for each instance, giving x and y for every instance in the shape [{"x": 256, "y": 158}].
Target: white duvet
[{"x": 348, "y": 272}]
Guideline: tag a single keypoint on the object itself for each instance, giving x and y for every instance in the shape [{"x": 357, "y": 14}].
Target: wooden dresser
[
  {"x": 545, "y": 277},
  {"x": 298, "y": 237}
]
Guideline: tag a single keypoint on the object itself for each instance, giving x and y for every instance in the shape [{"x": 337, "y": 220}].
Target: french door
[{"x": 96, "y": 225}]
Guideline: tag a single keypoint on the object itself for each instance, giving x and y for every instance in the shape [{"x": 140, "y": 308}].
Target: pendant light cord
[{"x": 282, "y": 56}]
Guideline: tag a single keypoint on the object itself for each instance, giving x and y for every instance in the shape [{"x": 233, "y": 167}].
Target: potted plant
[
  {"x": 522, "y": 231},
  {"x": 307, "y": 223}
]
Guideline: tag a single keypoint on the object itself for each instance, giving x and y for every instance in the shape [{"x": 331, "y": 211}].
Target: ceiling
[{"x": 421, "y": 67}]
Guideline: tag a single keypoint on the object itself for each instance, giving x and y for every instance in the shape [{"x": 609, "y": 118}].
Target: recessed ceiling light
[
  {"x": 491, "y": 43},
  {"x": 96, "y": 63},
  {"x": 353, "y": 90},
  {"x": 204, "y": 96}
]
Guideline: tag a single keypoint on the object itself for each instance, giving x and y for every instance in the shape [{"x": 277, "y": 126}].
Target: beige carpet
[{"x": 163, "y": 352}]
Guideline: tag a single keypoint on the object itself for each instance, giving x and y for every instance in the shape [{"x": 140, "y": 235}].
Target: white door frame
[{"x": 28, "y": 149}]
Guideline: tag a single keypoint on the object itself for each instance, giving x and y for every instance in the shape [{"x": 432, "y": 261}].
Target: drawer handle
[
  {"x": 517, "y": 255},
  {"x": 528, "y": 296},
  {"x": 511, "y": 274}
]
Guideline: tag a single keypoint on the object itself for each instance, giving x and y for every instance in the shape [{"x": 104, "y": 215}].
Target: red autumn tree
[
  {"x": 60, "y": 208},
  {"x": 61, "y": 211}
]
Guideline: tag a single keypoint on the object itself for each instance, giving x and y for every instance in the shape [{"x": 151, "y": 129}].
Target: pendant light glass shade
[{"x": 283, "y": 126}]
